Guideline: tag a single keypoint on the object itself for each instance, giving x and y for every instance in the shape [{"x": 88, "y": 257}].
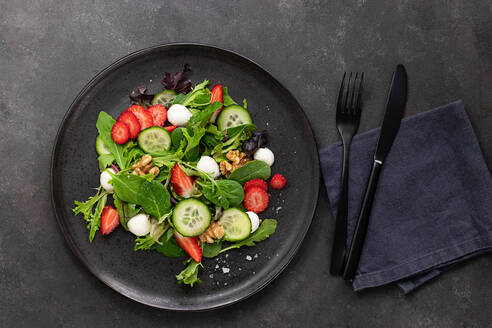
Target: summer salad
[{"x": 186, "y": 172}]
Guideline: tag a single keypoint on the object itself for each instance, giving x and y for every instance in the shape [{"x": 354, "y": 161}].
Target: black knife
[{"x": 395, "y": 108}]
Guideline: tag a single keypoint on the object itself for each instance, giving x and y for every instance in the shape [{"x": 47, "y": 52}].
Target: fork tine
[
  {"x": 350, "y": 107},
  {"x": 359, "y": 93},
  {"x": 345, "y": 109},
  {"x": 340, "y": 94}
]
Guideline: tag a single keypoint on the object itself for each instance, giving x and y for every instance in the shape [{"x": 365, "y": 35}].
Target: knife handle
[{"x": 362, "y": 223}]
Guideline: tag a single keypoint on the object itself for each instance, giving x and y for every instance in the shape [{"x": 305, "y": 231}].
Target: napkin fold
[{"x": 433, "y": 204}]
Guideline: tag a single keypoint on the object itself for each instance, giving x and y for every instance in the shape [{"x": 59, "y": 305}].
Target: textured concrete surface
[{"x": 50, "y": 49}]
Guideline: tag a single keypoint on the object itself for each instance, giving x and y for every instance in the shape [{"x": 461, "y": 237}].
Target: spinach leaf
[
  {"x": 225, "y": 193},
  {"x": 169, "y": 247},
  {"x": 154, "y": 199},
  {"x": 266, "y": 228},
  {"x": 189, "y": 276},
  {"x": 228, "y": 101},
  {"x": 105, "y": 160},
  {"x": 251, "y": 170},
  {"x": 211, "y": 250},
  {"x": 125, "y": 210},
  {"x": 127, "y": 186},
  {"x": 104, "y": 125}
]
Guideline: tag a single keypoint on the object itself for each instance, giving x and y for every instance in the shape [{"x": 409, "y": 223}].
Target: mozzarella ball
[
  {"x": 265, "y": 155},
  {"x": 178, "y": 115},
  {"x": 139, "y": 225},
  {"x": 208, "y": 165},
  {"x": 104, "y": 179},
  {"x": 255, "y": 221}
]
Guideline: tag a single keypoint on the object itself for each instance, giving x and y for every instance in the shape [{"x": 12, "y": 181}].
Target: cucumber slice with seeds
[
  {"x": 232, "y": 116},
  {"x": 101, "y": 146},
  {"x": 191, "y": 217},
  {"x": 164, "y": 98},
  {"x": 236, "y": 224},
  {"x": 154, "y": 139}
]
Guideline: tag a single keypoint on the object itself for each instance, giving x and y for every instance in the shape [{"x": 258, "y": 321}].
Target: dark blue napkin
[{"x": 433, "y": 205}]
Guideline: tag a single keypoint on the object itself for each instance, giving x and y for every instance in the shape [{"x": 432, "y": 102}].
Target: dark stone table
[{"x": 50, "y": 49}]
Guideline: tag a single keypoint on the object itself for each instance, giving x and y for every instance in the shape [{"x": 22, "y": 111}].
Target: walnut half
[
  {"x": 144, "y": 166},
  {"x": 215, "y": 231}
]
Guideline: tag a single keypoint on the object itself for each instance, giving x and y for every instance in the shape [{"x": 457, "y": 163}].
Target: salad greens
[{"x": 179, "y": 176}]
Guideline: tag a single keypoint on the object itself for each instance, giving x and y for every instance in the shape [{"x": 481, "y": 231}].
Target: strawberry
[
  {"x": 190, "y": 246},
  {"x": 278, "y": 181},
  {"x": 217, "y": 94},
  {"x": 109, "y": 220},
  {"x": 131, "y": 120},
  {"x": 256, "y": 199},
  {"x": 120, "y": 132},
  {"x": 256, "y": 183},
  {"x": 182, "y": 184},
  {"x": 144, "y": 117},
  {"x": 159, "y": 114},
  {"x": 170, "y": 128}
]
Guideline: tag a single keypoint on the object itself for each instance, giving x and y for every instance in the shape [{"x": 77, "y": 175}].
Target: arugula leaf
[
  {"x": 212, "y": 129},
  {"x": 193, "y": 140},
  {"x": 125, "y": 210},
  {"x": 133, "y": 154},
  {"x": 199, "y": 97},
  {"x": 236, "y": 135},
  {"x": 251, "y": 170},
  {"x": 201, "y": 118},
  {"x": 266, "y": 228},
  {"x": 144, "y": 243},
  {"x": 93, "y": 219},
  {"x": 105, "y": 160},
  {"x": 127, "y": 186},
  {"x": 154, "y": 199},
  {"x": 211, "y": 250},
  {"x": 228, "y": 101},
  {"x": 95, "y": 222},
  {"x": 189, "y": 276},
  {"x": 168, "y": 245},
  {"x": 104, "y": 125}
]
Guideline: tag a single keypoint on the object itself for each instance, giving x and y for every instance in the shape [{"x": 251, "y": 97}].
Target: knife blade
[{"x": 395, "y": 107}]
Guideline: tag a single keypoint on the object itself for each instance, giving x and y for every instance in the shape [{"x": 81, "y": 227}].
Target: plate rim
[{"x": 100, "y": 76}]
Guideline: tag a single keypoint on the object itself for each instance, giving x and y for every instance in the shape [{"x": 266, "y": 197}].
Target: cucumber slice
[
  {"x": 191, "y": 217},
  {"x": 101, "y": 147},
  {"x": 154, "y": 139},
  {"x": 232, "y": 116},
  {"x": 236, "y": 223},
  {"x": 164, "y": 98}
]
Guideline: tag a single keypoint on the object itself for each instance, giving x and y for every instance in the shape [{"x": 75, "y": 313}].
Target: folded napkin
[{"x": 433, "y": 204}]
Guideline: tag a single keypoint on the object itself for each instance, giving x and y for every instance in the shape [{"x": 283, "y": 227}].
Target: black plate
[{"x": 149, "y": 277}]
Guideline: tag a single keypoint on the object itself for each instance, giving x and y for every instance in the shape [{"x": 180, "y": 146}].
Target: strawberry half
[
  {"x": 278, "y": 181},
  {"x": 109, "y": 220},
  {"x": 256, "y": 200},
  {"x": 120, "y": 132},
  {"x": 144, "y": 117},
  {"x": 159, "y": 114},
  {"x": 217, "y": 94},
  {"x": 182, "y": 184},
  {"x": 256, "y": 183},
  {"x": 190, "y": 246},
  {"x": 131, "y": 120},
  {"x": 170, "y": 128}
]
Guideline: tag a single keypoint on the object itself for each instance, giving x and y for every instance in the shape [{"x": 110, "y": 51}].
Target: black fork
[{"x": 347, "y": 121}]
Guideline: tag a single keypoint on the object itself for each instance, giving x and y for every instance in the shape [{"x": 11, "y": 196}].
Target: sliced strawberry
[
  {"x": 217, "y": 94},
  {"x": 278, "y": 181},
  {"x": 159, "y": 114},
  {"x": 144, "y": 117},
  {"x": 256, "y": 183},
  {"x": 120, "y": 132},
  {"x": 131, "y": 120},
  {"x": 109, "y": 220},
  {"x": 170, "y": 128},
  {"x": 190, "y": 246},
  {"x": 256, "y": 199},
  {"x": 182, "y": 184}
]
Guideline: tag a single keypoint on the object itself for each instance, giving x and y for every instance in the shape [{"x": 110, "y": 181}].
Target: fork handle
[
  {"x": 362, "y": 223},
  {"x": 339, "y": 241}
]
